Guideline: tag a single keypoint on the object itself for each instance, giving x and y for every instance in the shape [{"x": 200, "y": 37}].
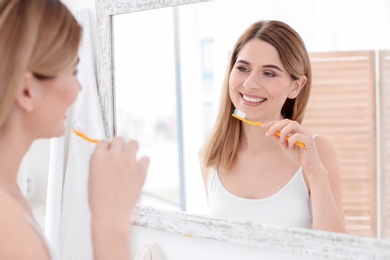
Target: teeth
[{"x": 255, "y": 100}]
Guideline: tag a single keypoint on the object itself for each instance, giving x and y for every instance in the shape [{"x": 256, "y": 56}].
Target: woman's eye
[
  {"x": 242, "y": 69},
  {"x": 269, "y": 74}
]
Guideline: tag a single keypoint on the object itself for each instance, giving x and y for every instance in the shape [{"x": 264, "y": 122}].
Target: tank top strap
[{"x": 212, "y": 182}]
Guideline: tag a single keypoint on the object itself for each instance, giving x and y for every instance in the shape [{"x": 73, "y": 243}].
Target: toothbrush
[
  {"x": 79, "y": 130},
  {"x": 241, "y": 116}
]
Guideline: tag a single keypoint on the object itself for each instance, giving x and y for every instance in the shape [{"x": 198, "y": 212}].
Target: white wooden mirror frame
[{"x": 287, "y": 239}]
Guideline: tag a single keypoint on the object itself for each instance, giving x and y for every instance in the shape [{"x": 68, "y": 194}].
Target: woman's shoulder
[
  {"x": 328, "y": 154},
  {"x": 14, "y": 226},
  {"x": 324, "y": 143},
  {"x": 9, "y": 205},
  {"x": 11, "y": 220}
]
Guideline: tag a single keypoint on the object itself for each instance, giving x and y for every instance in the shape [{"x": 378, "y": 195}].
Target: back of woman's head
[
  {"x": 37, "y": 36},
  {"x": 293, "y": 55}
]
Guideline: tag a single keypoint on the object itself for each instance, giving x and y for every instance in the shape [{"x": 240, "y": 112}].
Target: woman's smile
[{"x": 253, "y": 99}]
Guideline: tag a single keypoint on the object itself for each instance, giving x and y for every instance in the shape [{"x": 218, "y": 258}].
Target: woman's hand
[
  {"x": 306, "y": 157},
  {"x": 115, "y": 181}
]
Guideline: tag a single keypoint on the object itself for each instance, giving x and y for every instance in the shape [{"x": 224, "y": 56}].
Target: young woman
[
  {"x": 252, "y": 174},
  {"x": 38, "y": 54}
]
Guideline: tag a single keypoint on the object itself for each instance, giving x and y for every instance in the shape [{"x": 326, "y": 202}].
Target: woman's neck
[
  {"x": 14, "y": 144},
  {"x": 254, "y": 139}
]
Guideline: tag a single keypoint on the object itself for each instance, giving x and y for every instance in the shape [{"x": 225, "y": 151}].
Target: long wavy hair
[
  {"x": 40, "y": 36},
  {"x": 220, "y": 149}
]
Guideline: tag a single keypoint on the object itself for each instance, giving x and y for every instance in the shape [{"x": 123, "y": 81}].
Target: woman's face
[
  {"x": 259, "y": 84},
  {"x": 58, "y": 95}
]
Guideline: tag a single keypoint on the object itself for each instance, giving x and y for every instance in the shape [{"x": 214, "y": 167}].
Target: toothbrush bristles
[{"x": 239, "y": 113}]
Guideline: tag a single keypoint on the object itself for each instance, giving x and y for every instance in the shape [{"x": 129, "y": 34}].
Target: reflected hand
[{"x": 306, "y": 157}]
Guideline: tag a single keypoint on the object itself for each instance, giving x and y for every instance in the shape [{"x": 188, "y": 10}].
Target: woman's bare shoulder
[
  {"x": 12, "y": 211},
  {"x": 18, "y": 239},
  {"x": 324, "y": 144},
  {"x": 328, "y": 154}
]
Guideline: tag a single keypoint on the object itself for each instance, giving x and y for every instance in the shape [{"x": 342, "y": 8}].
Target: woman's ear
[
  {"x": 297, "y": 86},
  {"x": 25, "y": 96}
]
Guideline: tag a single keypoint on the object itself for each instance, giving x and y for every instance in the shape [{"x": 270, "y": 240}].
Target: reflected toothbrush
[
  {"x": 79, "y": 130},
  {"x": 241, "y": 116}
]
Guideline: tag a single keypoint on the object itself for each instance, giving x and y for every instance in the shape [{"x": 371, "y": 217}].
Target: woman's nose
[{"x": 252, "y": 82}]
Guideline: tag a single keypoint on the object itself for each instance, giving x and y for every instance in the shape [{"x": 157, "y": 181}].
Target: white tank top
[{"x": 290, "y": 206}]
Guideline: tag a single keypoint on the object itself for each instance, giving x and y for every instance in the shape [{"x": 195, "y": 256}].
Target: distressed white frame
[{"x": 288, "y": 239}]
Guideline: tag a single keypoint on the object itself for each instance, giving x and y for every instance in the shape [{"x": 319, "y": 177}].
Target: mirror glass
[
  {"x": 169, "y": 64},
  {"x": 166, "y": 54},
  {"x": 146, "y": 61}
]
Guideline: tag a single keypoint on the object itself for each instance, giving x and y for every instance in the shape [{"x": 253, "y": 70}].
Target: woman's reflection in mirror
[{"x": 253, "y": 174}]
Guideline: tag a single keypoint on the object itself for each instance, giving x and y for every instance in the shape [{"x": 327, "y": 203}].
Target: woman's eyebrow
[
  {"x": 243, "y": 61},
  {"x": 264, "y": 66},
  {"x": 272, "y": 66}
]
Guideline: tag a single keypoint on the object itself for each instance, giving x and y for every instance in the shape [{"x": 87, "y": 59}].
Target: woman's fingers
[
  {"x": 144, "y": 162},
  {"x": 298, "y": 138},
  {"x": 116, "y": 177},
  {"x": 102, "y": 145},
  {"x": 117, "y": 144},
  {"x": 289, "y": 132},
  {"x": 131, "y": 148}
]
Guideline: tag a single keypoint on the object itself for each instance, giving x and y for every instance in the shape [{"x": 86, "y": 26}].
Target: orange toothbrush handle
[
  {"x": 300, "y": 144},
  {"x": 85, "y": 137}
]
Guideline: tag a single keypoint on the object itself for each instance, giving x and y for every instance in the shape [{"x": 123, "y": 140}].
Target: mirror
[{"x": 181, "y": 124}]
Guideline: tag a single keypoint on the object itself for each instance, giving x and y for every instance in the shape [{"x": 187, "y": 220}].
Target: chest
[{"x": 257, "y": 177}]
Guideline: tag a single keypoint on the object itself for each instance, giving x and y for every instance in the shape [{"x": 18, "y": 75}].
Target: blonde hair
[
  {"x": 220, "y": 149},
  {"x": 40, "y": 36}
]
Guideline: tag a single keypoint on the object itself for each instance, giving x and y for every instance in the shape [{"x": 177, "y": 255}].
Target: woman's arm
[
  {"x": 325, "y": 190},
  {"x": 320, "y": 164}
]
